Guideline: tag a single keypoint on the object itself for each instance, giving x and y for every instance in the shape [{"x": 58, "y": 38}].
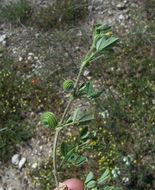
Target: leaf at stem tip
[{"x": 104, "y": 43}]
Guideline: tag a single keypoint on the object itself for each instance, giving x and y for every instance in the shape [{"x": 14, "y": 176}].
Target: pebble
[
  {"x": 21, "y": 163},
  {"x": 20, "y": 58},
  {"x": 121, "y": 17},
  {"x": 86, "y": 73},
  {"x": 30, "y": 58},
  {"x": 30, "y": 54},
  {"x": 120, "y": 6},
  {"x": 2, "y": 37},
  {"x": 153, "y": 101},
  {"x": 34, "y": 165},
  {"x": 15, "y": 159}
]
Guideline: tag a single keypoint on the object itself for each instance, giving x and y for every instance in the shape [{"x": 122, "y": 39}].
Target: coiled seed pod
[
  {"x": 49, "y": 120},
  {"x": 68, "y": 85}
]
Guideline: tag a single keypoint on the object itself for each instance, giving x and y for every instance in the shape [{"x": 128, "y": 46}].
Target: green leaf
[
  {"x": 102, "y": 27},
  {"x": 105, "y": 43},
  {"x": 95, "y": 94},
  {"x": 105, "y": 176},
  {"x": 84, "y": 133},
  {"x": 109, "y": 188},
  {"x": 86, "y": 89},
  {"x": 81, "y": 117},
  {"x": 76, "y": 115},
  {"x": 91, "y": 184},
  {"x": 80, "y": 160},
  {"x": 89, "y": 177},
  {"x": 86, "y": 117},
  {"x": 76, "y": 159},
  {"x": 64, "y": 148}
]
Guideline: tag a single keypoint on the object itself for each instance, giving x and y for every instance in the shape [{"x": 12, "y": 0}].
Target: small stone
[
  {"x": 4, "y": 43},
  {"x": 20, "y": 58},
  {"x": 15, "y": 159},
  {"x": 21, "y": 163},
  {"x": 153, "y": 102},
  {"x": 79, "y": 34},
  {"x": 110, "y": 13},
  {"x": 121, "y": 6},
  {"x": 10, "y": 188},
  {"x": 77, "y": 48},
  {"x": 36, "y": 58},
  {"x": 2, "y": 37},
  {"x": 121, "y": 17},
  {"x": 41, "y": 147},
  {"x": 31, "y": 54},
  {"x": 34, "y": 166},
  {"x": 30, "y": 58},
  {"x": 86, "y": 73}
]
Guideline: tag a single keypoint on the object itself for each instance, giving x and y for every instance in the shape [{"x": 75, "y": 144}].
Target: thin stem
[
  {"x": 54, "y": 156},
  {"x": 61, "y": 123}
]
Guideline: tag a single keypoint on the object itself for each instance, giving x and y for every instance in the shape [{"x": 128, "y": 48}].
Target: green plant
[
  {"x": 103, "y": 42},
  {"x": 15, "y": 12}
]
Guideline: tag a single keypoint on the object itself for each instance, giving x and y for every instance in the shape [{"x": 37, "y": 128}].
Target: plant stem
[
  {"x": 54, "y": 156},
  {"x": 61, "y": 125}
]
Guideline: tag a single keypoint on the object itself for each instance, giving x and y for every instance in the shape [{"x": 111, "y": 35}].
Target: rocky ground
[{"x": 21, "y": 44}]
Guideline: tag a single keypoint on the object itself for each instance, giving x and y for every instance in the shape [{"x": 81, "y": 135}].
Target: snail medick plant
[{"x": 103, "y": 42}]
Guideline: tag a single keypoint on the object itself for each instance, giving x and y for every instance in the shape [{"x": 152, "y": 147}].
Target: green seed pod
[
  {"x": 68, "y": 85},
  {"x": 49, "y": 120}
]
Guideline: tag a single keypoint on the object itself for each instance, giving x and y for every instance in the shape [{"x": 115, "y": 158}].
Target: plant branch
[{"x": 61, "y": 124}]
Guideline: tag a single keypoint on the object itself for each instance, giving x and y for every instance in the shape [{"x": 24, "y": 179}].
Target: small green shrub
[{"x": 15, "y": 12}]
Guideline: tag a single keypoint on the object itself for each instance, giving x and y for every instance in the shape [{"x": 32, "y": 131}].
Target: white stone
[
  {"x": 86, "y": 73},
  {"x": 2, "y": 37},
  {"x": 30, "y": 58},
  {"x": 31, "y": 54},
  {"x": 15, "y": 159},
  {"x": 121, "y": 6},
  {"x": 34, "y": 165},
  {"x": 21, "y": 163},
  {"x": 20, "y": 58},
  {"x": 3, "y": 42},
  {"x": 153, "y": 101},
  {"x": 10, "y": 188},
  {"x": 121, "y": 17}
]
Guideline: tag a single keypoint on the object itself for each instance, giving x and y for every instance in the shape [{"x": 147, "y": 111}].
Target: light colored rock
[
  {"x": 30, "y": 54},
  {"x": 2, "y": 37},
  {"x": 34, "y": 166},
  {"x": 86, "y": 73},
  {"x": 21, "y": 163},
  {"x": 10, "y": 188},
  {"x": 121, "y": 6},
  {"x": 121, "y": 17},
  {"x": 30, "y": 58},
  {"x": 153, "y": 101},
  {"x": 15, "y": 159},
  {"x": 20, "y": 58}
]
